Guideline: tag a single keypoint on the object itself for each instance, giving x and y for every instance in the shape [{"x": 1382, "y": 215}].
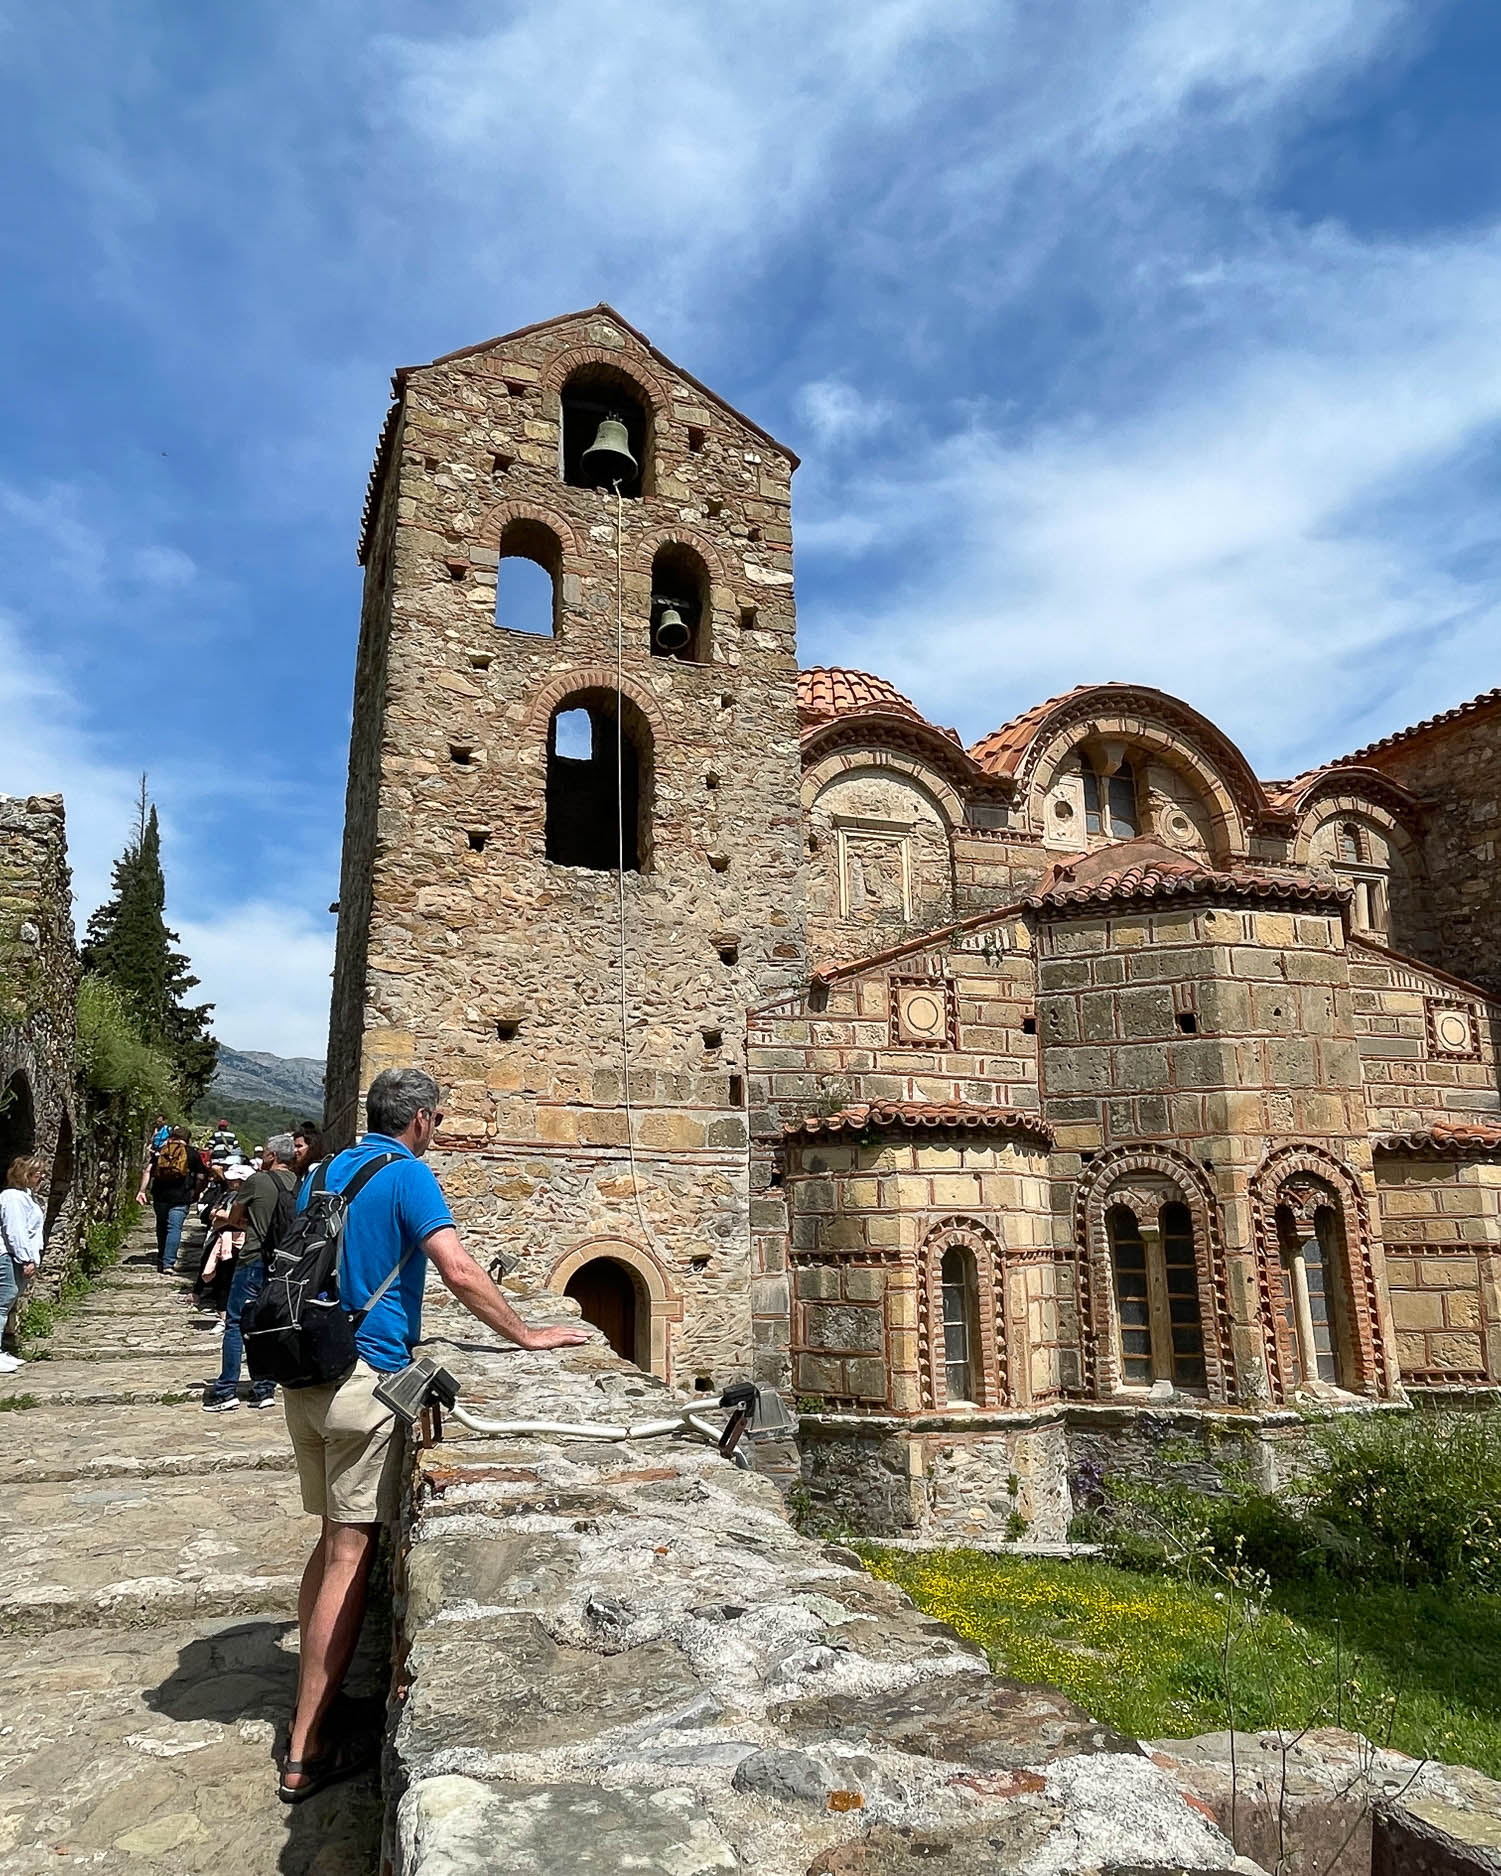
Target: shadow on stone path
[{"x": 149, "y": 1559}]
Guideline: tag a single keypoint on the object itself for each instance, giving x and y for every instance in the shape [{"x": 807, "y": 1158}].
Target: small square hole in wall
[
  {"x": 431, "y": 462},
  {"x": 747, "y": 618},
  {"x": 726, "y": 702},
  {"x": 1029, "y": 1025},
  {"x": 479, "y": 661},
  {"x": 516, "y": 388},
  {"x": 502, "y": 463},
  {"x": 753, "y": 534},
  {"x": 457, "y": 569},
  {"x": 696, "y": 438},
  {"x": 778, "y": 1177},
  {"x": 1188, "y": 1023},
  {"x": 507, "y": 1028},
  {"x": 714, "y": 507},
  {"x": 711, "y": 780},
  {"x": 461, "y": 755},
  {"x": 729, "y": 954},
  {"x": 702, "y": 1383},
  {"x": 737, "y": 1091},
  {"x": 478, "y": 837},
  {"x": 720, "y": 862},
  {"x": 713, "y": 1040}
]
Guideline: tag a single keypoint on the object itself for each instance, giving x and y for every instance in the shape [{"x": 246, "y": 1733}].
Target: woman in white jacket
[{"x": 21, "y": 1225}]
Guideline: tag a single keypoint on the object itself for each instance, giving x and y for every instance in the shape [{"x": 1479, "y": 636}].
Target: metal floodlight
[
  {"x": 756, "y": 1412},
  {"x": 420, "y": 1384}
]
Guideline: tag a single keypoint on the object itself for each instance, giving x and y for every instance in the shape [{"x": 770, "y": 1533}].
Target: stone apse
[{"x": 1003, "y": 1104}]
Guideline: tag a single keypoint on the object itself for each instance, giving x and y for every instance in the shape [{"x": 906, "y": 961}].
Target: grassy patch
[
  {"x": 1159, "y": 1657},
  {"x": 19, "y": 1403}
]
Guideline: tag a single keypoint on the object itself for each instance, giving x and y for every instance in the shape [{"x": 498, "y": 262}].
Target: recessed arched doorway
[
  {"x": 17, "y": 1119},
  {"x": 60, "y": 1185},
  {"x": 605, "y": 1292}
]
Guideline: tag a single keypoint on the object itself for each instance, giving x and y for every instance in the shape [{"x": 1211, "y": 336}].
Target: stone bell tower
[{"x": 572, "y": 850}]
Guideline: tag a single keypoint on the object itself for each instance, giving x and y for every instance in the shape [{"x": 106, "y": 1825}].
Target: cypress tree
[{"x": 129, "y": 943}]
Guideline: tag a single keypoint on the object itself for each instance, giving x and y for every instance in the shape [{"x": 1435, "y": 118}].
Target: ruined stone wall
[
  {"x": 500, "y": 970},
  {"x": 1455, "y": 768},
  {"x": 39, "y": 1097}
]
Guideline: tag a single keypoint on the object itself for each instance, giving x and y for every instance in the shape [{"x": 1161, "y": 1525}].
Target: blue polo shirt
[{"x": 402, "y": 1206}]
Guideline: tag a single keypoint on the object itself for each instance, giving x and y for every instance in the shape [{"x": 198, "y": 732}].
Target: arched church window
[
  {"x": 1110, "y": 804},
  {"x": 1351, "y": 847},
  {"x": 958, "y": 1285},
  {"x": 598, "y": 784},
  {"x": 606, "y": 432},
  {"x": 1315, "y": 1270},
  {"x": 1121, "y": 800},
  {"x": 1156, "y": 1283}
]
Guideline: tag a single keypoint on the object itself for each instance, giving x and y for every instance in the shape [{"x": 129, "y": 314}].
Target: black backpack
[{"x": 297, "y": 1331}]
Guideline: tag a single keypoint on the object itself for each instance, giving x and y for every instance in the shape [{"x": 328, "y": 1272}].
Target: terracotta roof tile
[
  {"x": 1471, "y": 708},
  {"x": 1002, "y": 749},
  {"x": 832, "y": 691},
  {"x": 1142, "y": 869},
  {"x": 1446, "y": 1138},
  {"x": 933, "y": 1115}
]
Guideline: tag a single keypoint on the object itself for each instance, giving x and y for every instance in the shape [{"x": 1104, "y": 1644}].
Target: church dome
[{"x": 829, "y": 691}]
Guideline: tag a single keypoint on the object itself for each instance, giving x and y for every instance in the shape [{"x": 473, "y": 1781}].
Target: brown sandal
[{"x": 348, "y": 1758}]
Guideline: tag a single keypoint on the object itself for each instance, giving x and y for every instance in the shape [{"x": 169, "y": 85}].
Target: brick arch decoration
[
  {"x": 1230, "y": 790},
  {"x": 645, "y": 549},
  {"x": 656, "y": 393},
  {"x": 984, "y": 1244},
  {"x": 664, "y": 1304},
  {"x": 1277, "y": 1171},
  {"x": 495, "y": 521},
  {"x": 1135, "y": 1176},
  {"x": 595, "y": 677},
  {"x": 847, "y": 761},
  {"x": 1333, "y": 803}
]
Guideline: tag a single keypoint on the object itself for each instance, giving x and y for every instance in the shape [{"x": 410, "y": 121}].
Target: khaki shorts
[{"x": 350, "y": 1450}]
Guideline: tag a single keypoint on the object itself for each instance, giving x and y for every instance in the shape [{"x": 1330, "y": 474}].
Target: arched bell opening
[
  {"x": 612, "y": 1297},
  {"x": 528, "y": 579},
  {"x": 606, "y": 432},
  {"x": 599, "y": 784},
  {"x": 680, "y": 609},
  {"x": 17, "y": 1119}
]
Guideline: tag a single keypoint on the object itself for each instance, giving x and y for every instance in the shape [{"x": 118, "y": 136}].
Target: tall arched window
[
  {"x": 1350, "y": 845},
  {"x": 598, "y": 784},
  {"x": 596, "y": 395},
  {"x": 1315, "y": 1267},
  {"x": 1156, "y": 1282},
  {"x": 1110, "y": 803},
  {"x": 959, "y": 1287},
  {"x": 527, "y": 577}
]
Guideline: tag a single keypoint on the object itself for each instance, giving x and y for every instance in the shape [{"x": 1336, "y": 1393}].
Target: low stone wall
[
  {"x": 616, "y": 1656},
  {"x": 1022, "y": 1474}
]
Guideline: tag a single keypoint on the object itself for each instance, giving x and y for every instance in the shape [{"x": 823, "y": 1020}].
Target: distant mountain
[{"x": 279, "y": 1080}]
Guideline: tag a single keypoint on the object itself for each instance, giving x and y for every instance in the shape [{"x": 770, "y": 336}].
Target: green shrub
[
  {"x": 1416, "y": 1497},
  {"x": 118, "y": 1066}
]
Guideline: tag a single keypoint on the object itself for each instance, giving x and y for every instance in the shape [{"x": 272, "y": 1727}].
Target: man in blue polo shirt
[{"x": 350, "y": 1449}]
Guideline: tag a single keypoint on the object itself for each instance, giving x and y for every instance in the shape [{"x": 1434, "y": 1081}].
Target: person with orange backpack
[{"x": 174, "y": 1178}]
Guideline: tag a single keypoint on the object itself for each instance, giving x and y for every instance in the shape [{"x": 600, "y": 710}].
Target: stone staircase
[{"x": 149, "y": 1562}]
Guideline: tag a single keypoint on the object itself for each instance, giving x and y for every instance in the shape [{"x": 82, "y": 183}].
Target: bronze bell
[
  {"x": 608, "y": 458},
  {"x": 671, "y": 632}
]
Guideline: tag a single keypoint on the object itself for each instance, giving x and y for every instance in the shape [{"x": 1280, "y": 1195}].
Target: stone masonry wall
[
  {"x": 39, "y": 1012},
  {"x": 499, "y": 970},
  {"x": 1455, "y": 767},
  {"x": 1208, "y": 1049},
  {"x": 618, "y": 1656},
  {"x": 1428, "y": 1044},
  {"x": 1441, "y": 1223}
]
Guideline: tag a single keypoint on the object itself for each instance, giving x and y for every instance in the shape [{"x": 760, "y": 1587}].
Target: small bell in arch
[
  {"x": 608, "y": 458},
  {"x": 671, "y": 630}
]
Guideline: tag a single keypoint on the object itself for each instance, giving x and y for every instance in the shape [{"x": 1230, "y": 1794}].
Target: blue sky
[{"x": 1137, "y": 339}]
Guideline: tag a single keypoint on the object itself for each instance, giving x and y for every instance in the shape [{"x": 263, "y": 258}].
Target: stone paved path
[{"x": 149, "y": 1557}]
